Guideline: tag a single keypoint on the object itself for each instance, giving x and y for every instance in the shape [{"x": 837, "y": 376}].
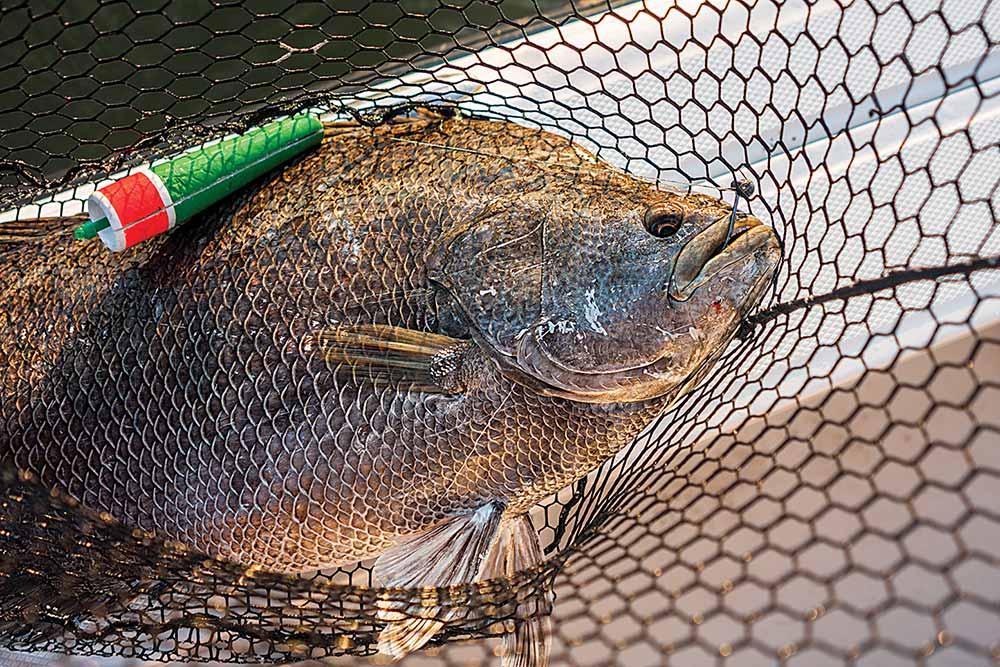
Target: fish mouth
[{"x": 716, "y": 248}]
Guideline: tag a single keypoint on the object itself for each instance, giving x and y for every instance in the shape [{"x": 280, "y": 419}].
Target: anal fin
[
  {"x": 516, "y": 548},
  {"x": 450, "y": 553}
]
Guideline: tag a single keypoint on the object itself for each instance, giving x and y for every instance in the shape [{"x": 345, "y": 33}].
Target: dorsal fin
[{"x": 19, "y": 231}]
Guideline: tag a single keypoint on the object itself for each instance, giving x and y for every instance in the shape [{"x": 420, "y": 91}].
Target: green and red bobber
[{"x": 153, "y": 200}]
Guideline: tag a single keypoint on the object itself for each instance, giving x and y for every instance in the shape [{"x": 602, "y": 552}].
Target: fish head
[{"x": 605, "y": 295}]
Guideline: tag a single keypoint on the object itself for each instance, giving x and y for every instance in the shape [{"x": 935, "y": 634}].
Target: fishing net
[{"x": 828, "y": 495}]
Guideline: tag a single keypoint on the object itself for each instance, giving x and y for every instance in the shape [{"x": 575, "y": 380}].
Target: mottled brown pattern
[{"x": 172, "y": 386}]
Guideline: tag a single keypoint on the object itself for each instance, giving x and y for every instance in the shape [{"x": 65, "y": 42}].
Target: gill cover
[{"x": 573, "y": 301}]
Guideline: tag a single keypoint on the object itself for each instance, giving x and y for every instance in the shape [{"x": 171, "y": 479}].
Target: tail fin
[{"x": 60, "y": 563}]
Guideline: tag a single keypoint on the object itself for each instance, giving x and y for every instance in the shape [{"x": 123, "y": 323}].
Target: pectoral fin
[
  {"x": 516, "y": 548},
  {"x": 450, "y": 553},
  {"x": 385, "y": 354}
]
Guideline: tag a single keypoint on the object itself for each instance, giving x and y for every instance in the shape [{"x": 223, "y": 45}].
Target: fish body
[{"x": 419, "y": 328}]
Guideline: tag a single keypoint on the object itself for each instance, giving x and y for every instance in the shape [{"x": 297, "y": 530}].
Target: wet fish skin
[{"x": 175, "y": 387}]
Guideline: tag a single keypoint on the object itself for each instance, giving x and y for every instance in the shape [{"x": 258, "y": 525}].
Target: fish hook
[{"x": 745, "y": 189}]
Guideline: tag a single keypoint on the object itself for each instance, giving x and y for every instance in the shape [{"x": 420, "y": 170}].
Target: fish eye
[{"x": 663, "y": 220}]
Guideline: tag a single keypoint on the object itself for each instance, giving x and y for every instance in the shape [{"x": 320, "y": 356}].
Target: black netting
[{"x": 828, "y": 494}]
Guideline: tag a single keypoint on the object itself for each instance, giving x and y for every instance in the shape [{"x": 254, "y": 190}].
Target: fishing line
[{"x": 861, "y": 287}]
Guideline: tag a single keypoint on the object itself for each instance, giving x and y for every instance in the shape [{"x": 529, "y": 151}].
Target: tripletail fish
[{"x": 392, "y": 348}]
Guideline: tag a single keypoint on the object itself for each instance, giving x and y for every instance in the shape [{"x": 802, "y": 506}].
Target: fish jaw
[{"x": 716, "y": 248}]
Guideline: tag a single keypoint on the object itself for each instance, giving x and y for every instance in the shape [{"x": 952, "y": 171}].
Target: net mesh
[{"x": 828, "y": 495}]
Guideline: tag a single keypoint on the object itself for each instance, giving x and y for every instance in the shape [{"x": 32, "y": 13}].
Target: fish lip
[{"x": 714, "y": 249}]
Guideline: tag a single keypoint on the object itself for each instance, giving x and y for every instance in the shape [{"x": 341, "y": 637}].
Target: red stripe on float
[{"x": 140, "y": 209}]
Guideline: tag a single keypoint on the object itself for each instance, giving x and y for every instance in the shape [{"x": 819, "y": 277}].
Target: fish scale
[
  {"x": 393, "y": 347},
  {"x": 188, "y": 400}
]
